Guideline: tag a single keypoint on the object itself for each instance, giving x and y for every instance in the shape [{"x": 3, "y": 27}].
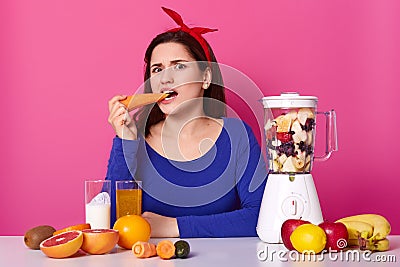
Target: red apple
[
  {"x": 287, "y": 228},
  {"x": 336, "y": 235}
]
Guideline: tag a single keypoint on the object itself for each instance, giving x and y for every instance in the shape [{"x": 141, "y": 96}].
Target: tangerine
[{"x": 132, "y": 228}]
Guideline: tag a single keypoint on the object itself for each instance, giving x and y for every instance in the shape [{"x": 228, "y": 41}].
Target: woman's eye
[
  {"x": 180, "y": 66},
  {"x": 156, "y": 70}
]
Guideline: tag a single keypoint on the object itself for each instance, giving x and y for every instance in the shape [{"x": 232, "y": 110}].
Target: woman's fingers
[
  {"x": 117, "y": 105},
  {"x": 119, "y": 118},
  {"x": 114, "y": 100},
  {"x": 127, "y": 118},
  {"x": 118, "y": 115},
  {"x": 115, "y": 111}
]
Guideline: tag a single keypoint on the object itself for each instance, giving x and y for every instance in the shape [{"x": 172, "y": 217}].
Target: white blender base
[{"x": 287, "y": 197}]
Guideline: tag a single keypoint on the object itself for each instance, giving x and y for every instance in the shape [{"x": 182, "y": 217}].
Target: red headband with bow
[{"x": 195, "y": 32}]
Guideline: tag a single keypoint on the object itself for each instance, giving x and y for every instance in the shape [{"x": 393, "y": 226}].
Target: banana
[
  {"x": 303, "y": 114},
  {"x": 380, "y": 224},
  {"x": 296, "y": 127},
  {"x": 273, "y": 154},
  {"x": 293, "y": 114},
  {"x": 302, "y": 117},
  {"x": 282, "y": 159},
  {"x": 307, "y": 167},
  {"x": 357, "y": 229},
  {"x": 352, "y": 242},
  {"x": 299, "y": 160},
  {"x": 300, "y": 136},
  {"x": 283, "y": 123},
  {"x": 276, "y": 166},
  {"x": 380, "y": 245},
  {"x": 268, "y": 125},
  {"x": 288, "y": 166}
]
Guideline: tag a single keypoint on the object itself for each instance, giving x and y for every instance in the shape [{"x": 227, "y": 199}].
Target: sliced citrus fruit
[
  {"x": 62, "y": 245},
  {"x": 99, "y": 241},
  {"x": 132, "y": 228},
  {"x": 72, "y": 228}
]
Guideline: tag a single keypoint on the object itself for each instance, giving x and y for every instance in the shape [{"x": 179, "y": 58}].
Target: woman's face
[{"x": 172, "y": 68}]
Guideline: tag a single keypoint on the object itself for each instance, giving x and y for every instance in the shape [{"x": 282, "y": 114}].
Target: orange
[
  {"x": 132, "y": 228},
  {"x": 62, "y": 245},
  {"x": 78, "y": 227}
]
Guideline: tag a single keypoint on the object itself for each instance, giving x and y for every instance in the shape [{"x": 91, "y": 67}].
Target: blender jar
[{"x": 289, "y": 124}]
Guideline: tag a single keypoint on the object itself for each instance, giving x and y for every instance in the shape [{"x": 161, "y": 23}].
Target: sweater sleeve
[
  {"x": 240, "y": 222},
  {"x": 121, "y": 165}
]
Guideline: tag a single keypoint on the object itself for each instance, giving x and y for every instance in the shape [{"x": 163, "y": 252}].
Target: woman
[{"x": 196, "y": 165}]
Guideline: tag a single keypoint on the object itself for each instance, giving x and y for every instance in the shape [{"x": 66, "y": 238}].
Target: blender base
[{"x": 287, "y": 196}]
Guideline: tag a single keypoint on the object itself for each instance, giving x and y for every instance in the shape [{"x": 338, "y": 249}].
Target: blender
[{"x": 290, "y": 193}]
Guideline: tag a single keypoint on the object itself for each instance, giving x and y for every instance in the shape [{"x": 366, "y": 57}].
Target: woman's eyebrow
[
  {"x": 155, "y": 65},
  {"x": 178, "y": 60},
  {"x": 171, "y": 62}
]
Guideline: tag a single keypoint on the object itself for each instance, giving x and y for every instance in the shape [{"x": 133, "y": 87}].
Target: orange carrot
[
  {"x": 144, "y": 249},
  {"x": 165, "y": 249}
]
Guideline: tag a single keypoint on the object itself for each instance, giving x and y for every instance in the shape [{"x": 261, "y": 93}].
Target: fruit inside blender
[{"x": 290, "y": 140}]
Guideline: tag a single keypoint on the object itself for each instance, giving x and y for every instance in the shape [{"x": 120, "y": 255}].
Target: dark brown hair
[{"x": 152, "y": 114}]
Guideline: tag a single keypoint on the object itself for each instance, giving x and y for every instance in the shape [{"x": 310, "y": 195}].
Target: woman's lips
[{"x": 172, "y": 95}]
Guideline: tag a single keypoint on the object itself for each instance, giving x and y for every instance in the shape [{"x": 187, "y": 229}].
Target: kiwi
[{"x": 33, "y": 237}]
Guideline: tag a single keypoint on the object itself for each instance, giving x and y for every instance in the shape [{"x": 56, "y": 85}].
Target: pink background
[{"x": 60, "y": 62}]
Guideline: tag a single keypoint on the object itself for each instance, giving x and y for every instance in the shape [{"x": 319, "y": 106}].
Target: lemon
[{"x": 308, "y": 238}]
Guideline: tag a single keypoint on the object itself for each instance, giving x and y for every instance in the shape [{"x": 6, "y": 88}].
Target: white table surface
[{"x": 244, "y": 252}]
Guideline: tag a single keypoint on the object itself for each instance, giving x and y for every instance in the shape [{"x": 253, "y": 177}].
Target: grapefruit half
[
  {"x": 99, "y": 241},
  {"x": 62, "y": 245},
  {"x": 73, "y": 227}
]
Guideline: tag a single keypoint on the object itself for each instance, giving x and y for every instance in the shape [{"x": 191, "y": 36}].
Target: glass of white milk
[{"x": 98, "y": 203}]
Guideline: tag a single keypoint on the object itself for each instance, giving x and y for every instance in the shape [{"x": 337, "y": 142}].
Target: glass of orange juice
[{"x": 128, "y": 197}]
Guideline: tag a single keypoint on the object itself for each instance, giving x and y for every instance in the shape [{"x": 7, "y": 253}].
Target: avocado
[{"x": 33, "y": 237}]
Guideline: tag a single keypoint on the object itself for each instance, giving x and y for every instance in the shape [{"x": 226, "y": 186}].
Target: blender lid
[{"x": 289, "y": 100}]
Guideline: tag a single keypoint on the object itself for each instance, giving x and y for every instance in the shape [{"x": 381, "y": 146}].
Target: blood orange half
[
  {"x": 99, "y": 241},
  {"x": 62, "y": 245}
]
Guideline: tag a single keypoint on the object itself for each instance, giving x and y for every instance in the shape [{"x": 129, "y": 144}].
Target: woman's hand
[
  {"x": 161, "y": 226},
  {"x": 120, "y": 119}
]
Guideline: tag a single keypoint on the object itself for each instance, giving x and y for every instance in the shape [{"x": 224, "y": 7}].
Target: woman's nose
[{"x": 167, "y": 76}]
